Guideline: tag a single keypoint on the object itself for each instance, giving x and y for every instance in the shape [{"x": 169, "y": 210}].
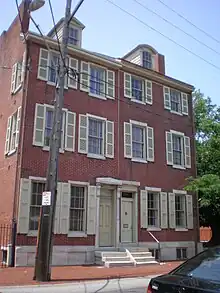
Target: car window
[{"x": 205, "y": 265}]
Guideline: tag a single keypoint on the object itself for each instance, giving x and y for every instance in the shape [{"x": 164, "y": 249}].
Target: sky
[{"x": 111, "y": 31}]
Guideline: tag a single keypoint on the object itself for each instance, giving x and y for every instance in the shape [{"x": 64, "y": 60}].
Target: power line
[
  {"x": 176, "y": 27},
  {"x": 187, "y": 20},
  {"x": 171, "y": 40}
]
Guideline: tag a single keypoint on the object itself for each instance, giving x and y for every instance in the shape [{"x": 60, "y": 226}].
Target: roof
[
  {"x": 140, "y": 46},
  {"x": 60, "y": 22}
]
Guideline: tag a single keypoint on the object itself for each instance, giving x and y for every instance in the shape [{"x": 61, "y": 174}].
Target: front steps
[{"x": 129, "y": 257}]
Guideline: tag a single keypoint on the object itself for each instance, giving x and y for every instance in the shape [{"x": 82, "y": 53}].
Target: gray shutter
[
  {"x": 13, "y": 77},
  {"x": 127, "y": 85},
  {"x": 57, "y": 212},
  {"x": 70, "y": 131},
  {"x": 189, "y": 210},
  {"x": 65, "y": 208},
  {"x": 144, "y": 209},
  {"x": 83, "y": 134},
  {"x": 127, "y": 140},
  {"x": 73, "y": 67},
  {"x": 109, "y": 139},
  {"x": 150, "y": 144},
  {"x": 84, "y": 77},
  {"x": 39, "y": 125},
  {"x": 18, "y": 126},
  {"x": 43, "y": 65},
  {"x": 24, "y": 66},
  {"x": 8, "y": 135},
  {"x": 91, "y": 211},
  {"x": 184, "y": 99},
  {"x": 24, "y": 206},
  {"x": 163, "y": 211},
  {"x": 169, "y": 148},
  {"x": 110, "y": 84},
  {"x": 187, "y": 152},
  {"x": 166, "y": 95},
  {"x": 149, "y": 93},
  {"x": 172, "y": 211}
]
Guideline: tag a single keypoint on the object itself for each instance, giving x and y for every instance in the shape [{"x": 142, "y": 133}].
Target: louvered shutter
[
  {"x": 24, "y": 206},
  {"x": 150, "y": 144},
  {"x": 127, "y": 140},
  {"x": 109, "y": 139},
  {"x": 24, "y": 66},
  {"x": 83, "y": 134},
  {"x": 70, "y": 131},
  {"x": 110, "y": 84},
  {"x": 189, "y": 210},
  {"x": 73, "y": 70},
  {"x": 172, "y": 211},
  {"x": 18, "y": 126},
  {"x": 163, "y": 211},
  {"x": 43, "y": 65},
  {"x": 187, "y": 149},
  {"x": 149, "y": 93},
  {"x": 57, "y": 212},
  {"x": 8, "y": 135},
  {"x": 185, "y": 108},
  {"x": 39, "y": 125},
  {"x": 169, "y": 148},
  {"x": 127, "y": 85},
  {"x": 166, "y": 95},
  {"x": 64, "y": 208},
  {"x": 144, "y": 209},
  {"x": 91, "y": 211},
  {"x": 13, "y": 77},
  {"x": 84, "y": 77}
]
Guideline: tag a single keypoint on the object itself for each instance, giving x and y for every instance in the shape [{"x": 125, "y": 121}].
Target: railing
[
  {"x": 158, "y": 243},
  {"x": 7, "y": 244},
  {"x": 131, "y": 257}
]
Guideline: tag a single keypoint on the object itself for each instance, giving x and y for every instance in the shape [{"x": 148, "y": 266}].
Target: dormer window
[
  {"x": 147, "y": 60},
  {"x": 73, "y": 36}
]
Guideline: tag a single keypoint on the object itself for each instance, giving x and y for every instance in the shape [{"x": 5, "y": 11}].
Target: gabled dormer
[
  {"x": 147, "y": 57},
  {"x": 75, "y": 32}
]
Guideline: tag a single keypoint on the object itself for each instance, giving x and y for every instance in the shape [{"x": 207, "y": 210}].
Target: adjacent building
[{"x": 127, "y": 148}]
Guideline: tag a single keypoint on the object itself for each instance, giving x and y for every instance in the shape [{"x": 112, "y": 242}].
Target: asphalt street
[{"x": 138, "y": 285}]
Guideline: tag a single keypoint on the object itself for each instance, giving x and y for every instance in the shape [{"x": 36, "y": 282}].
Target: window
[
  {"x": 137, "y": 89},
  {"x": 96, "y": 137},
  {"x": 73, "y": 36},
  {"x": 181, "y": 253},
  {"x": 175, "y": 97},
  {"x": 37, "y": 189},
  {"x": 180, "y": 210},
  {"x": 43, "y": 127},
  {"x": 138, "y": 142},
  {"x": 97, "y": 81},
  {"x": 77, "y": 209},
  {"x": 53, "y": 68},
  {"x": 16, "y": 78},
  {"x": 12, "y": 132},
  {"x": 178, "y": 158},
  {"x": 147, "y": 60},
  {"x": 175, "y": 101},
  {"x": 153, "y": 209}
]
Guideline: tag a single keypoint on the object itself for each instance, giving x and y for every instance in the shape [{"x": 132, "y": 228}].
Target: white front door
[
  {"x": 106, "y": 219},
  {"x": 127, "y": 220}
]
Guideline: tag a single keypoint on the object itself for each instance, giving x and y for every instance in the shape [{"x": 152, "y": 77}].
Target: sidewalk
[{"x": 24, "y": 276}]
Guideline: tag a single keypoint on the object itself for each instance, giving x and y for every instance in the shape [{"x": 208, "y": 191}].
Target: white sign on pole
[{"x": 46, "y": 198}]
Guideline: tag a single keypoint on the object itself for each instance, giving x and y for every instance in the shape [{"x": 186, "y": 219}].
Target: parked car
[{"x": 198, "y": 274}]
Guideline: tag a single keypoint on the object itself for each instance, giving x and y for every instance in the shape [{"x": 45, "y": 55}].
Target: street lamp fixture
[{"x": 36, "y": 4}]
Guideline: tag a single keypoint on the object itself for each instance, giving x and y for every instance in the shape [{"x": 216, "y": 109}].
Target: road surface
[{"x": 138, "y": 285}]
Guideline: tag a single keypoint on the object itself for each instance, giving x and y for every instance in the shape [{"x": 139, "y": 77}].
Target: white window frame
[
  {"x": 180, "y": 134},
  {"x": 104, "y": 96},
  {"x": 152, "y": 59},
  {"x": 166, "y": 92},
  {"x": 157, "y": 194},
  {"x": 180, "y": 102},
  {"x": 133, "y": 98},
  {"x": 16, "y": 74},
  {"x": 183, "y": 197},
  {"x": 49, "y": 63},
  {"x": 13, "y": 132},
  {"x": 144, "y": 126},
  {"x": 79, "y": 32}
]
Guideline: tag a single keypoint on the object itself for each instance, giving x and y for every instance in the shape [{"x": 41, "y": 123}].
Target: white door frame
[{"x": 124, "y": 199}]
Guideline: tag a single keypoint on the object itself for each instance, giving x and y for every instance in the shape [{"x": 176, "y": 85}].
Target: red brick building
[{"x": 127, "y": 148}]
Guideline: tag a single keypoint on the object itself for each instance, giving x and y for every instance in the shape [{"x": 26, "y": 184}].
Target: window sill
[
  {"x": 181, "y": 229},
  {"x": 11, "y": 153},
  {"x": 97, "y": 96},
  {"x": 77, "y": 234},
  {"x": 47, "y": 149},
  {"x": 32, "y": 233},
  {"x": 179, "y": 167},
  {"x": 177, "y": 113},
  {"x": 94, "y": 156},
  {"x": 153, "y": 229},
  {"x": 139, "y": 161},
  {"x": 137, "y": 101},
  {"x": 17, "y": 89}
]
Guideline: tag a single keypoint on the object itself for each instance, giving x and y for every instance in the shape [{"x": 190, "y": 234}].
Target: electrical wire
[
  {"x": 166, "y": 37},
  {"x": 176, "y": 27}
]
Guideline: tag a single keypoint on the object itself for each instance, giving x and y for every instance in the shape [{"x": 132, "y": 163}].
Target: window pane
[
  {"x": 97, "y": 81},
  {"x": 180, "y": 211},
  {"x": 153, "y": 209},
  {"x": 36, "y": 200},
  {"x": 77, "y": 209},
  {"x": 147, "y": 60},
  {"x": 175, "y": 97},
  {"x": 177, "y": 150},
  {"x": 54, "y": 62},
  {"x": 96, "y": 136},
  {"x": 138, "y": 142},
  {"x": 137, "y": 89},
  {"x": 73, "y": 36}
]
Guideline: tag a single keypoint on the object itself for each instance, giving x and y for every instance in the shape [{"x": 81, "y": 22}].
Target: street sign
[{"x": 46, "y": 198}]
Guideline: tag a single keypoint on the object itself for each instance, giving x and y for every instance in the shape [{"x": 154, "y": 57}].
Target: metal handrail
[{"x": 158, "y": 242}]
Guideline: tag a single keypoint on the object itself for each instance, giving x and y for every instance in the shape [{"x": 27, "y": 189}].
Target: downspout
[{"x": 118, "y": 117}]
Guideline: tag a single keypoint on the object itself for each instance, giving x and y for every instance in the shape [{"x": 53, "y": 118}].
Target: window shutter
[
  {"x": 8, "y": 135},
  {"x": 91, "y": 211},
  {"x": 18, "y": 126},
  {"x": 127, "y": 85},
  {"x": 110, "y": 84},
  {"x": 83, "y": 134},
  {"x": 24, "y": 206},
  {"x": 73, "y": 68},
  {"x": 172, "y": 211},
  {"x": 163, "y": 211},
  {"x": 189, "y": 209},
  {"x": 84, "y": 77},
  {"x": 169, "y": 148},
  {"x": 144, "y": 209},
  {"x": 64, "y": 208},
  {"x": 187, "y": 152},
  {"x": 150, "y": 144},
  {"x": 24, "y": 65},
  {"x": 13, "y": 77},
  {"x": 56, "y": 229},
  {"x": 70, "y": 131},
  {"x": 43, "y": 65},
  {"x": 127, "y": 140},
  {"x": 109, "y": 139},
  {"x": 166, "y": 95},
  {"x": 185, "y": 108},
  {"x": 39, "y": 125},
  {"x": 149, "y": 94}
]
